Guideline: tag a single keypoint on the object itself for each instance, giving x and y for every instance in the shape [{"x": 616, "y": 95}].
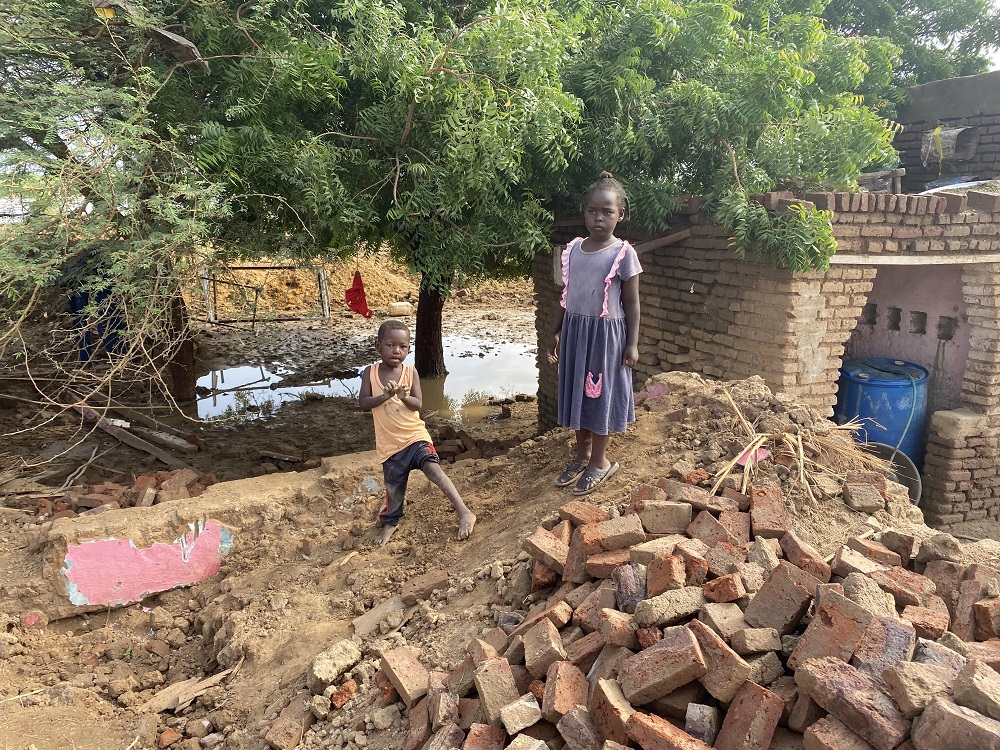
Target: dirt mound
[{"x": 306, "y": 570}]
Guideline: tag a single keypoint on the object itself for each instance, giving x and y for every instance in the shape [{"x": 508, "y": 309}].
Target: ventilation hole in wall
[
  {"x": 946, "y": 328},
  {"x": 892, "y": 318},
  {"x": 918, "y": 322},
  {"x": 869, "y": 314}
]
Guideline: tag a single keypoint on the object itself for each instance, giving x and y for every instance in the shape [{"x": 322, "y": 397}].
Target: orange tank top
[{"x": 396, "y": 425}]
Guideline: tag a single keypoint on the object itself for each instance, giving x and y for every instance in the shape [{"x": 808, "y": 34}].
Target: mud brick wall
[
  {"x": 969, "y": 102},
  {"x": 706, "y": 311}
]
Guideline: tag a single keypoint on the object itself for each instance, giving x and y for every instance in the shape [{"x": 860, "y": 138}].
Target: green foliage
[{"x": 799, "y": 239}]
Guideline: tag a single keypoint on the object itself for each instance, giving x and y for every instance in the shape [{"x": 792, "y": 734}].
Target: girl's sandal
[
  {"x": 591, "y": 478},
  {"x": 570, "y": 474}
]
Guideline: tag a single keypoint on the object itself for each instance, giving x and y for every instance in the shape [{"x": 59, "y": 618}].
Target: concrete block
[
  {"x": 957, "y": 424},
  {"x": 665, "y": 517},
  {"x": 703, "y": 722},
  {"x": 520, "y": 714},
  {"x": 669, "y": 607},
  {"x": 330, "y": 664}
]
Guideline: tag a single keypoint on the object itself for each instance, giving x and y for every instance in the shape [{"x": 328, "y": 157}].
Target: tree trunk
[
  {"x": 182, "y": 371},
  {"x": 428, "y": 357}
]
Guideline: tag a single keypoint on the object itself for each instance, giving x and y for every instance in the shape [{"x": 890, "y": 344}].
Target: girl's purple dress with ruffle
[{"x": 595, "y": 391}]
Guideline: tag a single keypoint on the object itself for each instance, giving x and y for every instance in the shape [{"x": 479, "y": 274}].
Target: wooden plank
[
  {"x": 145, "y": 419},
  {"x": 128, "y": 438},
  {"x": 667, "y": 239},
  {"x": 166, "y": 440},
  {"x": 913, "y": 260}
]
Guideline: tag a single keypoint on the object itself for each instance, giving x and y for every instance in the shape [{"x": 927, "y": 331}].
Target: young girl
[{"x": 595, "y": 336}]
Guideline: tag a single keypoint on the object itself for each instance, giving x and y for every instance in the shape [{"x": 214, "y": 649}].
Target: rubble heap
[{"x": 694, "y": 621}]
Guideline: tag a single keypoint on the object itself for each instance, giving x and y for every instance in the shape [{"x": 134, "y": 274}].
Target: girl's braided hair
[{"x": 610, "y": 184}]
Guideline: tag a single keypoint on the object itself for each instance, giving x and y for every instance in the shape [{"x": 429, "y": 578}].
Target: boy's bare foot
[
  {"x": 466, "y": 522},
  {"x": 383, "y": 536}
]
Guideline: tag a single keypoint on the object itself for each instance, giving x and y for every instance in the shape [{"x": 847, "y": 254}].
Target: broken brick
[
  {"x": 661, "y": 668},
  {"x": 725, "y": 589},
  {"x": 928, "y": 623},
  {"x": 804, "y": 556},
  {"x": 652, "y": 732},
  {"x": 782, "y": 600},
  {"x": 725, "y": 671},
  {"x": 565, "y": 687},
  {"x": 769, "y": 518},
  {"x": 751, "y": 719}
]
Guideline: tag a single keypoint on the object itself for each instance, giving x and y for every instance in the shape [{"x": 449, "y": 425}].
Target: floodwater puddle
[{"x": 478, "y": 371}]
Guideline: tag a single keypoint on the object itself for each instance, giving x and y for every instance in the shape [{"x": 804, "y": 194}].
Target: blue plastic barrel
[{"x": 888, "y": 396}]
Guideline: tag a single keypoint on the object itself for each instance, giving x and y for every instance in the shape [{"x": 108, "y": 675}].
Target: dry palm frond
[{"x": 809, "y": 453}]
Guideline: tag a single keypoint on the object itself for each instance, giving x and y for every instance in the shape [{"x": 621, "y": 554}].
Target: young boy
[{"x": 401, "y": 439}]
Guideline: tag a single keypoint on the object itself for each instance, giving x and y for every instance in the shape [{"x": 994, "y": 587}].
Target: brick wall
[
  {"x": 969, "y": 102},
  {"x": 705, "y": 310}
]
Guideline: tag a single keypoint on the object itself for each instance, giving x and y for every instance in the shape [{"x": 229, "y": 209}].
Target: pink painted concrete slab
[{"x": 115, "y": 571}]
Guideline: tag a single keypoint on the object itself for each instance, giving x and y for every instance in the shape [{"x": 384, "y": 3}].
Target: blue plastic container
[{"x": 889, "y": 396}]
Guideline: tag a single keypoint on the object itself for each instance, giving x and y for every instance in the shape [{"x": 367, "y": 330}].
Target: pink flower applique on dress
[{"x": 592, "y": 389}]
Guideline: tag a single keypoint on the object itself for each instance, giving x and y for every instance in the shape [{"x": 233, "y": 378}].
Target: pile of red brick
[
  {"x": 696, "y": 621},
  {"x": 161, "y": 487},
  {"x": 458, "y": 445}
]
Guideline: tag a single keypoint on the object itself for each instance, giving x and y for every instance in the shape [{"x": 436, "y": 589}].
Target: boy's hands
[
  {"x": 402, "y": 391},
  {"x": 389, "y": 388},
  {"x": 399, "y": 390}
]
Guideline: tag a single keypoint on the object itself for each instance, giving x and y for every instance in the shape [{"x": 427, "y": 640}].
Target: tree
[{"x": 937, "y": 39}]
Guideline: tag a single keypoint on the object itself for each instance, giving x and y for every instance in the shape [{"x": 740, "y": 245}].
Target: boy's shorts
[{"x": 396, "y": 471}]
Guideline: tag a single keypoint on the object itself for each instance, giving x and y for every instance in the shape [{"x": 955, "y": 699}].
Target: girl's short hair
[
  {"x": 610, "y": 184},
  {"x": 391, "y": 325}
]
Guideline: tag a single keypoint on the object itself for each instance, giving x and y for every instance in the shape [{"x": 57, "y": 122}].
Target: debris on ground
[{"x": 665, "y": 612}]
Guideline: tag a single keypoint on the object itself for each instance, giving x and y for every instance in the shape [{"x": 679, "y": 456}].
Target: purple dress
[{"x": 595, "y": 391}]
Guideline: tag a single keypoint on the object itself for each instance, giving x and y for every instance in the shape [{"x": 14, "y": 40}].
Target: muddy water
[{"x": 478, "y": 370}]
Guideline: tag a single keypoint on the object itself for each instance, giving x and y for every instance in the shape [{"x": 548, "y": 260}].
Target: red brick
[
  {"x": 442, "y": 707},
  {"x": 406, "y": 673},
  {"x": 875, "y": 551},
  {"x": 578, "y": 729},
  {"x": 563, "y": 531},
  {"x": 386, "y": 688},
  {"x": 496, "y": 687},
  {"x": 885, "y": 642},
  {"x": 830, "y": 734},
  {"x": 542, "y": 576},
  {"x": 905, "y": 586},
  {"x": 804, "y": 556},
  {"x": 726, "y": 589},
  {"x": 726, "y": 671},
  {"x": 847, "y": 561},
  {"x": 751, "y": 719},
  {"x": 724, "y": 619},
  {"x": 602, "y": 564},
  {"x": 855, "y": 698},
  {"x": 588, "y": 614},
  {"x": 661, "y": 668},
  {"x": 460, "y": 679},
  {"x": 665, "y": 574},
  {"x": 583, "y": 652},
  {"x": 542, "y": 647},
  {"x": 344, "y": 693},
  {"x": 756, "y": 640},
  {"x": 480, "y": 651},
  {"x": 987, "y": 651},
  {"x": 664, "y": 517},
  {"x": 294, "y": 720},
  {"x": 782, "y": 600},
  {"x": 695, "y": 564},
  {"x": 423, "y": 586},
  {"x": 963, "y": 621},
  {"x": 648, "y": 636},
  {"x": 419, "y": 726},
  {"x": 913, "y": 685},
  {"x": 618, "y": 533},
  {"x": 927, "y": 622},
  {"x": 944, "y": 725},
  {"x": 742, "y": 501},
  {"x": 537, "y": 687},
  {"x": 565, "y": 686},
  {"x": 699, "y": 499},
  {"x": 575, "y": 569},
  {"x": 725, "y": 558},
  {"x": 169, "y": 737},
  {"x": 670, "y": 607},
  {"x": 987, "y": 614},
  {"x": 835, "y": 630},
  {"x": 643, "y": 494},
  {"x": 610, "y": 710},
  {"x": 544, "y": 547},
  {"x": 446, "y": 738},
  {"x": 987, "y": 203},
  {"x": 769, "y": 518},
  {"x": 619, "y": 629},
  {"x": 738, "y": 525},
  {"x": 900, "y": 543},
  {"x": 653, "y": 733},
  {"x": 557, "y": 612},
  {"x": 484, "y": 737},
  {"x": 708, "y": 529},
  {"x": 663, "y": 546},
  {"x": 581, "y": 513}
]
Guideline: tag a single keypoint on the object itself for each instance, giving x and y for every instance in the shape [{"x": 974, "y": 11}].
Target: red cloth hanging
[{"x": 355, "y": 297}]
